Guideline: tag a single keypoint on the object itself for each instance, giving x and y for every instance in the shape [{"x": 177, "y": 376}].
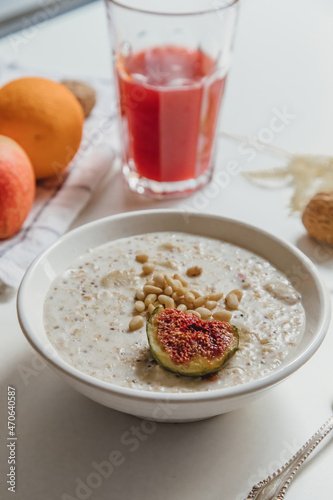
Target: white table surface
[{"x": 283, "y": 59}]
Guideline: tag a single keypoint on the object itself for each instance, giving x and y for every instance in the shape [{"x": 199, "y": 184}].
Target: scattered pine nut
[
  {"x": 170, "y": 281},
  {"x": 182, "y": 307},
  {"x": 141, "y": 257},
  {"x": 152, "y": 289},
  {"x": 211, "y": 304},
  {"x": 167, "y": 301},
  {"x": 159, "y": 280},
  {"x": 181, "y": 291},
  {"x": 151, "y": 308},
  {"x": 168, "y": 290},
  {"x": 200, "y": 301},
  {"x": 189, "y": 297},
  {"x": 232, "y": 301},
  {"x": 175, "y": 296},
  {"x": 150, "y": 299},
  {"x": 196, "y": 293},
  {"x": 177, "y": 285},
  {"x": 191, "y": 311},
  {"x": 222, "y": 315},
  {"x": 148, "y": 268},
  {"x": 180, "y": 278},
  {"x": 140, "y": 295},
  {"x": 136, "y": 323},
  {"x": 171, "y": 264},
  {"x": 169, "y": 246},
  {"x": 140, "y": 306},
  {"x": 238, "y": 293},
  {"x": 194, "y": 271},
  {"x": 204, "y": 313},
  {"x": 216, "y": 296}
]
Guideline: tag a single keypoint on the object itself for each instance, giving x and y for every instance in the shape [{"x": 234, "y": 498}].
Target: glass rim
[{"x": 228, "y": 3}]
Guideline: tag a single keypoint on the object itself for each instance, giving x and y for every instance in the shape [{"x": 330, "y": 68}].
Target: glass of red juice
[{"x": 170, "y": 59}]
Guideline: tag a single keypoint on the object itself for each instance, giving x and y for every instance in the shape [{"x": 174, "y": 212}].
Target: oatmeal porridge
[{"x": 95, "y": 317}]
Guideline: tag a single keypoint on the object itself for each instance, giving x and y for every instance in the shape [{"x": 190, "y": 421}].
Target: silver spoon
[{"x": 275, "y": 486}]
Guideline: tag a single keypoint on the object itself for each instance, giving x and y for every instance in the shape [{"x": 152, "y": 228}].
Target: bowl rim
[{"x": 240, "y": 390}]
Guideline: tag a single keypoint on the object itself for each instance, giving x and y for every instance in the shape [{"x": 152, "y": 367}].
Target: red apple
[{"x": 17, "y": 187}]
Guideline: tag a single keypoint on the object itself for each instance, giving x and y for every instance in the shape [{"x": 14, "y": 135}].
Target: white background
[{"x": 283, "y": 59}]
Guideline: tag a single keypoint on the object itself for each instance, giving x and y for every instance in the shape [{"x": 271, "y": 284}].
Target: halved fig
[{"x": 185, "y": 344}]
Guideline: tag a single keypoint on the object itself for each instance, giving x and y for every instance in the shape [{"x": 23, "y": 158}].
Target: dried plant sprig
[{"x": 306, "y": 174}]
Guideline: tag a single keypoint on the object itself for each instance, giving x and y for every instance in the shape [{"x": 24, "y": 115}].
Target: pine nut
[
  {"x": 211, "y": 304},
  {"x": 152, "y": 289},
  {"x": 148, "y": 268},
  {"x": 238, "y": 293},
  {"x": 177, "y": 285},
  {"x": 140, "y": 306},
  {"x": 200, "y": 301},
  {"x": 189, "y": 297},
  {"x": 150, "y": 299},
  {"x": 204, "y": 313},
  {"x": 171, "y": 264},
  {"x": 170, "y": 281},
  {"x": 232, "y": 301},
  {"x": 182, "y": 291},
  {"x": 216, "y": 296},
  {"x": 182, "y": 307},
  {"x": 140, "y": 295},
  {"x": 168, "y": 290},
  {"x": 222, "y": 315},
  {"x": 156, "y": 303},
  {"x": 180, "y": 278},
  {"x": 159, "y": 280},
  {"x": 169, "y": 246},
  {"x": 175, "y": 296},
  {"x": 141, "y": 257},
  {"x": 151, "y": 308},
  {"x": 136, "y": 323},
  {"x": 167, "y": 301},
  {"x": 191, "y": 311},
  {"x": 195, "y": 293},
  {"x": 194, "y": 271}
]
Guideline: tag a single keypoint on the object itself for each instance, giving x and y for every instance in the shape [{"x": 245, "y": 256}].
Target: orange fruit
[{"x": 45, "y": 119}]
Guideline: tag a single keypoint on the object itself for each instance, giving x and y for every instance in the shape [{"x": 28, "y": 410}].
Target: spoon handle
[{"x": 274, "y": 487}]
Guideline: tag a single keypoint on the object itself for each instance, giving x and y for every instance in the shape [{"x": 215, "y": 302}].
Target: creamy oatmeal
[{"x": 88, "y": 309}]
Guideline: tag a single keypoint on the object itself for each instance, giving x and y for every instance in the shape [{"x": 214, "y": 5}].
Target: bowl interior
[{"x": 283, "y": 256}]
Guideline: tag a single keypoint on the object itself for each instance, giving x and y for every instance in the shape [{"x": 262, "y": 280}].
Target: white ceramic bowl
[{"x": 162, "y": 406}]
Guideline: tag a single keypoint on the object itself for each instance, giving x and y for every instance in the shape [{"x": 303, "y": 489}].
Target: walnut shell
[
  {"x": 318, "y": 217},
  {"x": 84, "y": 93}
]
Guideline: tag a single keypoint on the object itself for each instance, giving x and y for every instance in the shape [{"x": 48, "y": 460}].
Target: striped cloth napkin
[{"x": 59, "y": 200}]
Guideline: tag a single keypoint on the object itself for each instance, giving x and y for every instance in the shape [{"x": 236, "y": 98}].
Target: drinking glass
[{"x": 171, "y": 60}]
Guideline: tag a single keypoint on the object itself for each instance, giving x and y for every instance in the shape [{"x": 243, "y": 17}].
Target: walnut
[
  {"x": 84, "y": 93},
  {"x": 318, "y": 217}
]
